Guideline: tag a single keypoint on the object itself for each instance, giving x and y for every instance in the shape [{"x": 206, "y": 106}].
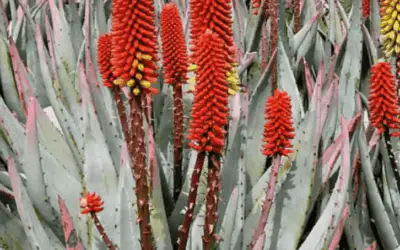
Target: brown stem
[
  {"x": 273, "y": 10},
  {"x": 122, "y": 113},
  {"x": 178, "y": 139},
  {"x": 213, "y": 189},
  {"x": 269, "y": 196},
  {"x": 185, "y": 227},
  {"x": 296, "y": 15},
  {"x": 138, "y": 153},
  {"x": 102, "y": 232}
]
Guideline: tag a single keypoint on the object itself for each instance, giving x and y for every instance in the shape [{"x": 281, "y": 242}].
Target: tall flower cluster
[
  {"x": 383, "y": 100},
  {"x": 175, "y": 70},
  {"x": 215, "y": 15},
  {"x": 134, "y": 44},
  {"x": 103, "y": 58},
  {"x": 173, "y": 46},
  {"x": 210, "y": 109},
  {"x": 366, "y": 8},
  {"x": 278, "y": 130},
  {"x": 390, "y": 27}
]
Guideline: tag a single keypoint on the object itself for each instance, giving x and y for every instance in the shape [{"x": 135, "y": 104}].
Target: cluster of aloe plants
[{"x": 219, "y": 124}]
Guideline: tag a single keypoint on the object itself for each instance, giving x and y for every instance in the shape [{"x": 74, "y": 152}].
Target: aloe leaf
[
  {"x": 159, "y": 222},
  {"x": 36, "y": 179},
  {"x": 287, "y": 82},
  {"x": 229, "y": 220},
  {"x": 390, "y": 186},
  {"x": 99, "y": 171},
  {"x": 322, "y": 234},
  {"x": 34, "y": 230},
  {"x": 12, "y": 230},
  {"x": 72, "y": 241},
  {"x": 351, "y": 67},
  {"x": 70, "y": 130},
  {"x": 126, "y": 226},
  {"x": 7, "y": 81},
  {"x": 304, "y": 40},
  {"x": 3, "y": 19},
  {"x": 67, "y": 91},
  {"x": 75, "y": 26},
  {"x": 62, "y": 36},
  {"x": 165, "y": 125},
  {"x": 382, "y": 221}
]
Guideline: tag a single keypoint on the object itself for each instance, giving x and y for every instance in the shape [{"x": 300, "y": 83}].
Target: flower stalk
[
  {"x": 138, "y": 153},
  {"x": 212, "y": 197},
  {"x": 175, "y": 69},
  {"x": 194, "y": 184},
  {"x": 92, "y": 204}
]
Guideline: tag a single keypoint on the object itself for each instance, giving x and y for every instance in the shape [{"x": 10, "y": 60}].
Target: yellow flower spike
[
  {"x": 388, "y": 10},
  {"x": 228, "y": 74},
  {"x": 136, "y": 91},
  {"x": 119, "y": 81},
  {"x": 135, "y": 63},
  {"x": 231, "y": 92},
  {"x": 139, "y": 76},
  {"x": 192, "y": 80},
  {"x": 396, "y": 26},
  {"x": 192, "y": 67},
  {"x": 145, "y": 84},
  {"x": 140, "y": 67},
  {"x": 130, "y": 83},
  {"x": 394, "y": 14},
  {"x": 147, "y": 57}
]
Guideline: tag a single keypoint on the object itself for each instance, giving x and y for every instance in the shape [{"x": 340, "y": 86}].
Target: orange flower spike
[
  {"x": 210, "y": 109},
  {"x": 173, "y": 45},
  {"x": 366, "y": 6},
  {"x": 278, "y": 130},
  {"x": 213, "y": 15},
  {"x": 91, "y": 203},
  {"x": 103, "y": 59},
  {"x": 134, "y": 44},
  {"x": 383, "y": 101}
]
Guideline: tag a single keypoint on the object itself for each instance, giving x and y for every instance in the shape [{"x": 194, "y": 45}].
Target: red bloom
[
  {"x": 256, "y": 5},
  {"x": 103, "y": 59},
  {"x": 210, "y": 106},
  {"x": 366, "y": 5},
  {"x": 214, "y": 15},
  {"x": 91, "y": 203},
  {"x": 383, "y": 100},
  {"x": 173, "y": 45},
  {"x": 278, "y": 131},
  {"x": 134, "y": 44}
]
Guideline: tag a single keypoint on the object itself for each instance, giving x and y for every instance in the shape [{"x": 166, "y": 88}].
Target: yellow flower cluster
[
  {"x": 232, "y": 78},
  {"x": 390, "y": 26}
]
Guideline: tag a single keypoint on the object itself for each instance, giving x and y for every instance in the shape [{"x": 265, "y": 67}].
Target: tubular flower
[
  {"x": 91, "y": 203},
  {"x": 215, "y": 15},
  {"x": 383, "y": 101},
  {"x": 278, "y": 131},
  {"x": 210, "y": 108},
  {"x": 173, "y": 45},
  {"x": 103, "y": 59},
  {"x": 134, "y": 44},
  {"x": 390, "y": 26},
  {"x": 366, "y": 5}
]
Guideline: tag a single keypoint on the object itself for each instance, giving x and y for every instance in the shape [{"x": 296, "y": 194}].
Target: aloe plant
[{"x": 285, "y": 137}]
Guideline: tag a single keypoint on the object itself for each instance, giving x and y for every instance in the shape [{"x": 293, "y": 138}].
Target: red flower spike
[
  {"x": 134, "y": 44},
  {"x": 278, "y": 131},
  {"x": 91, "y": 203},
  {"x": 214, "y": 15},
  {"x": 212, "y": 88},
  {"x": 103, "y": 59},
  {"x": 366, "y": 5},
  {"x": 383, "y": 101},
  {"x": 173, "y": 45}
]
